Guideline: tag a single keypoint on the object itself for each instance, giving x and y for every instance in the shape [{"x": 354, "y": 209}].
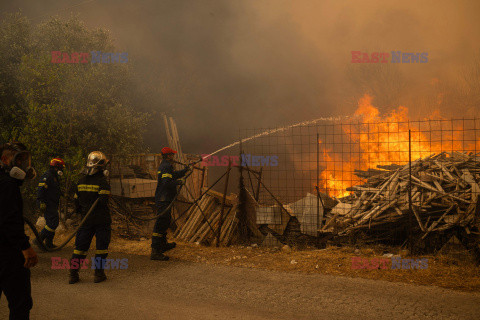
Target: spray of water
[{"x": 266, "y": 133}]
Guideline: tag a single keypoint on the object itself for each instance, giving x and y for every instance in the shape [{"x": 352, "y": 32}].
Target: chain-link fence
[
  {"x": 386, "y": 180},
  {"x": 390, "y": 181}
]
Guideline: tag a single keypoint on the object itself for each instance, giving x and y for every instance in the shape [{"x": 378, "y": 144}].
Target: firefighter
[
  {"x": 16, "y": 254},
  {"x": 168, "y": 180},
  {"x": 48, "y": 198},
  {"x": 92, "y": 186}
]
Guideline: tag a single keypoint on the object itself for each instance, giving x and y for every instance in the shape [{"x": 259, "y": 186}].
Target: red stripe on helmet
[
  {"x": 57, "y": 161},
  {"x": 168, "y": 150}
]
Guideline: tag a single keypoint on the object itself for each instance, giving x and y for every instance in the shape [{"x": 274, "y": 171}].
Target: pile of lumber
[
  {"x": 444, "y": 194},
  {"x": 209, "y": 219}
]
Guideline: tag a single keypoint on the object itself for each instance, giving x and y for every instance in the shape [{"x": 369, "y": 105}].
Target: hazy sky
[{"x": 222, "y": 66}]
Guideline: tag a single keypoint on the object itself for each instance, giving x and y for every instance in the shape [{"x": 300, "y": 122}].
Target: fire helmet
[
  {"x": 57, "y": 162},
  {"x": 96, "y": 161}
]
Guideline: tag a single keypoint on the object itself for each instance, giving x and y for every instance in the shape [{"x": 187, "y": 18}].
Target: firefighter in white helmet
[{"x": 90, "y": 187}]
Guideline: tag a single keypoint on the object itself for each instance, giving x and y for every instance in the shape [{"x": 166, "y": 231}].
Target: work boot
[
  {"x": 169, "y": 246},
  {"x": 99, "y": 276},
  {"x": 158, "y": 255},
  {"x": 74, "y": 277},
  {"x": 165, "y": 246}
]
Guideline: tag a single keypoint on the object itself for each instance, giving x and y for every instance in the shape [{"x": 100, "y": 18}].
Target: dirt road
[{"x": 181, "y": 290}]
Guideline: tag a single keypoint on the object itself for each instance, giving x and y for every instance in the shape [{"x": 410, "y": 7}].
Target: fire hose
[
  {"x": 185, "y": 211},
  {"x": 172, "y": 202},
  {"x": 56, "y": 248}
]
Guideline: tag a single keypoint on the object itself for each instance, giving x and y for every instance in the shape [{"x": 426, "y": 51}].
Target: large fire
[{"x": 384, "y": 140}]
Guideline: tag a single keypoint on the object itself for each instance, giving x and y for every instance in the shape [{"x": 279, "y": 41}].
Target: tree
[
  {"x": 60, "y": 109},
  {"x": 14, "y": 44}
]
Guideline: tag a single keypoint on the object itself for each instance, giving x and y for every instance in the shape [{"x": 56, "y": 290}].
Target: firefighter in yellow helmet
[{"x": 90, "y": 187}]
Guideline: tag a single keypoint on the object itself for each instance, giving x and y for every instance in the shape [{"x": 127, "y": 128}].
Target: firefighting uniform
[
  {"x": 49, "y": 193},
  {"x": 164, "y": 195},
  {"x": 98, "y": 224},
  {"x": 14, "y": 277}
]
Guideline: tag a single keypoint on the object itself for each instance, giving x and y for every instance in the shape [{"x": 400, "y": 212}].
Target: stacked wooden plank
[
  {"x": 444, "y": 193},
  {"x": 206, "y": 220},
  {"x": 174, "y": 143}
]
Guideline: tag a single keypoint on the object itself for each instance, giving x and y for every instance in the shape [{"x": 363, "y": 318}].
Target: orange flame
[{"x": 384, "y": 140}]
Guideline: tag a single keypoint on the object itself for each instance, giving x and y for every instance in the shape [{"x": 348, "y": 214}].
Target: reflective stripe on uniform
[
  {"x": 167, "y": 175},
  {"x": 75, "y": 196},
  {"x": 159, "y": 172},
  {"x": 157, "y": 234},
  {"x": 49, "y": 229},
  {"x": 43, "y": 184},
  {"x": 104, "y": 192},
  {"x": 101, "y": 251},
  {"x": 88, "y": 187},
  {"x": 81, "y": 253}
]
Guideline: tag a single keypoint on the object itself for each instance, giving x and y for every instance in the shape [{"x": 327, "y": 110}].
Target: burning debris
[
  {"x": 382, "y": 139},
  {"x": 444, "y": 197}
]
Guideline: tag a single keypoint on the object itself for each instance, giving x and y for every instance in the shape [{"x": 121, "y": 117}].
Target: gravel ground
[{"x": 186, "y": 290}]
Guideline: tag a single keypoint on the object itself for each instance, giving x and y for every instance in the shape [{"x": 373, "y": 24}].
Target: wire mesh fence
[
  {"x": 133, "y": 181},
  {"x": 370, "y": 181},
  {"x": 390, "y": 180}
]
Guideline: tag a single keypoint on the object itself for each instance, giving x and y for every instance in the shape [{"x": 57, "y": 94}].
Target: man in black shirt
[{"x": 16, "y": 254}]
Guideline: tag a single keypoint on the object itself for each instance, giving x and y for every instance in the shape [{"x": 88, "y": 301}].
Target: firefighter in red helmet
[
  {"x": 168, "y": 180},
  {"x": 48, "y": 198}
]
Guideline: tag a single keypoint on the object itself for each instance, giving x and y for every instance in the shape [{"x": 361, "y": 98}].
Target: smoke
[{"x": 219, "y": 67}]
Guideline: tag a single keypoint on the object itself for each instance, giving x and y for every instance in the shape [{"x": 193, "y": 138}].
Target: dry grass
[{"x": 442, "y": 271}]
